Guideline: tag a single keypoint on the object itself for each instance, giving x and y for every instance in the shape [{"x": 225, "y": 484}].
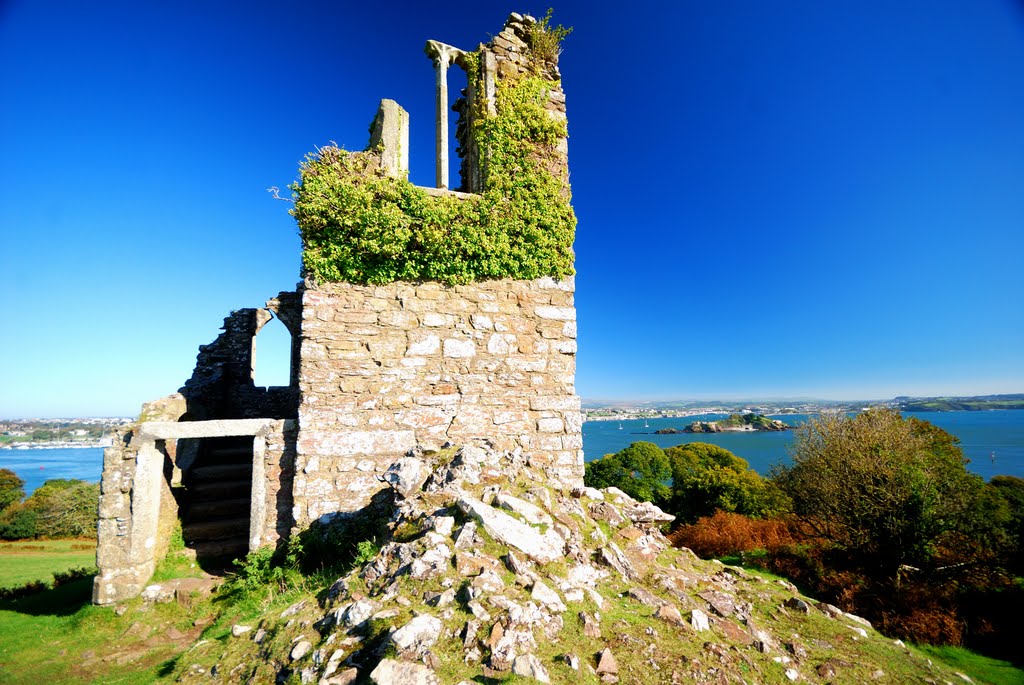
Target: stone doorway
[{"x": 215, "y": 500}]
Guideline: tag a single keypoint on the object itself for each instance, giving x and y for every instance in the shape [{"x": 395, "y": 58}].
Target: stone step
[
  {"x": 225, "y": 550},
  {"x": 227, "y": 455},
  {"x": 216, "y": 508},
  {"x": 219, "y": 472},
  {"x": 223, "y": 489},
  {"x": 218, "y": 529}
]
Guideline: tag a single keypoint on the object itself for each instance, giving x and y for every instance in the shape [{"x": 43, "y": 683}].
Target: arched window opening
[{"x": 272, "y": 355}]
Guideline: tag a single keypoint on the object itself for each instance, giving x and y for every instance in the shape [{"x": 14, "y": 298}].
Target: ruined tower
[{"x": 426, "y": 317}]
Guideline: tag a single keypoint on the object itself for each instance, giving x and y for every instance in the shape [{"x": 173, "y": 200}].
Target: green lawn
[
  {"x": 982, "y": 669},
  {"x": 28, "y": 560},
  {"x": 57, "y": 636}
]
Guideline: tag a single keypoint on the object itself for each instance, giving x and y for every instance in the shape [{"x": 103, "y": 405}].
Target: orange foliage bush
[{"x": 727, "y": 533}]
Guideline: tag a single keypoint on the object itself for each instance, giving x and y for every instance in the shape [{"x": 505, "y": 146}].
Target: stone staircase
[{"x": 215, "y": 509}]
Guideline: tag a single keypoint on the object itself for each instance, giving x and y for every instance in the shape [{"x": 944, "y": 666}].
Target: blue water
[
  {"x": 37, "y": 466},
  {"x": 981, "y": 433}
]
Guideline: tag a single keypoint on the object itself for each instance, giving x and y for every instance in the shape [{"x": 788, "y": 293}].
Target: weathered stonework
[
  {"x": 378, "y": 373},
  {"x": 388, "y": 369}
]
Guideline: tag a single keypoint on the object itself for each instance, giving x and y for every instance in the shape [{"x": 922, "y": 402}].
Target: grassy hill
[{"x": 479, "y": 569}]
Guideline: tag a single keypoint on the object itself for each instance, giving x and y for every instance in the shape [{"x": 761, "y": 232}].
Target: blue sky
[{"x": 775, "y": 199}]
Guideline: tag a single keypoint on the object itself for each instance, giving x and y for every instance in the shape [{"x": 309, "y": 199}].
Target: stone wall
[
  {"x": 222, "y": 387},
  {"x": 125, "y": 556},
  {"x": 274, "y": 517},
  {"x": 389, "y": 369},
  {"x": 506, "y": 57}
]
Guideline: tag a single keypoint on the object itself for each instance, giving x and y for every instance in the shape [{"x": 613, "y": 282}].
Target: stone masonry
[
  {"x": 378, "y": 373},
  {"x": 390, "y": 369}
]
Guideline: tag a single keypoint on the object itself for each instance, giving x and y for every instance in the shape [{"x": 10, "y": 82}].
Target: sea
[
  {"x": 36, "y": 466},
  {"x": 993, "y": 441}
]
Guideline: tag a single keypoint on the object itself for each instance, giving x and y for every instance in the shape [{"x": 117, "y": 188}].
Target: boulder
[
  {"x": 301, "y": 649},
  {"x": 606, "y": 663},
  {"x": 394, "y": 672},
  {"x": 529, "y": 666},
  {"x": 407, "y": 475},
  {"x": 544, "y": 547},
  {"x": 531, "y": 513},
  {"x": 418, "y": 635}
]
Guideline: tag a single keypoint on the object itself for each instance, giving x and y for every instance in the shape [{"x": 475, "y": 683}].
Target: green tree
[
  {"x": 640, "y": 470},
  {"x": 707, "y": 478},
  {"x": 1010, "y": 490},
  {"x": 18, "y": 522},
  {"x": 65, "y": 508},
  {"x": 12, "y": 488},
  {"x": 888, "y": 495}
]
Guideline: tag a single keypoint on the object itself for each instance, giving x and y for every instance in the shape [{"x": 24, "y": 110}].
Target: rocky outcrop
[
  {"x": 703, "y": 427},
  {"x": 737, "y": 423},
  {"x": 497, "y": 571}
]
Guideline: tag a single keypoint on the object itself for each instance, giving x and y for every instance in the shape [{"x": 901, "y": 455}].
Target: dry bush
[
  {"x": 727, "y": 533},
  {"x": 921, "y": 612}
]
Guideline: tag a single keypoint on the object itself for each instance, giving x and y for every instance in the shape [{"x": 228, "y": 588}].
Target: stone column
[{"x": 443, "y": 55}]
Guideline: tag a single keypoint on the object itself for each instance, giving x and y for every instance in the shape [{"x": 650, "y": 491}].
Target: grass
[
  {"x": 58, "y": 636},
  {"x": 30, "y": 560},
  {"x": 981, "y": 669}
]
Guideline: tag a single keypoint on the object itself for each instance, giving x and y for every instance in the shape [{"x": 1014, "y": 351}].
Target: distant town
[
  {"x": 24, "y": 434},
  {"x": 51, "y": 433},
  {"x": 616, "y": 411}
]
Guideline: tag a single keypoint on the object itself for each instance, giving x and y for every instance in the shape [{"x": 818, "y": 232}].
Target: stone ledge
[{"x": 171, "y": 430}]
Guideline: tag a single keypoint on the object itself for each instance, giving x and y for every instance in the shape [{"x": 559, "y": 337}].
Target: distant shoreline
[{"x": 17, "y": 446}]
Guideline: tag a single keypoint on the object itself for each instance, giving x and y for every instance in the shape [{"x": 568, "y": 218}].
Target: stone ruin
[{"x": 378, "y": 373}]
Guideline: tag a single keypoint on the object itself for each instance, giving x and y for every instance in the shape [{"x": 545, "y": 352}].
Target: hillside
[
  {"x": 974, "y": 403},
  {"x": 490, "y": 570}
]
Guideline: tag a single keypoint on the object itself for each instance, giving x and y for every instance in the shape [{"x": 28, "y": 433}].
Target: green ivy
[{"x": 360, "y": 226}]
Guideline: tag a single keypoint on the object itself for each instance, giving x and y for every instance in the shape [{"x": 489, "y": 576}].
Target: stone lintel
[{"x": 169, "y": 430}]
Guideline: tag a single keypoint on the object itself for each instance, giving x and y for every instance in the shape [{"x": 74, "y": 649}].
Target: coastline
[{"x": 76, "y": 445}]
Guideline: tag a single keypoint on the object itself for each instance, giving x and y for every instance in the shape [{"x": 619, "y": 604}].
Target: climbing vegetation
[{"x": 360, "y": 226}]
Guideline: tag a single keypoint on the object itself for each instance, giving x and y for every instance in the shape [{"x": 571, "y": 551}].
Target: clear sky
[{"x": 775, "y": 199}]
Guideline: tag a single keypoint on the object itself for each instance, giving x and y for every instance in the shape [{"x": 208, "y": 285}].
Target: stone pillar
[
  {"x": 390, "y": 132},
  {"x": 443, "y": 55},
  {"x": 258, "y": 507}
]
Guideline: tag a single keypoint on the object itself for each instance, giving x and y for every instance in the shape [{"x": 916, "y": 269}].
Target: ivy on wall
[{"x": 360, "y": 226}]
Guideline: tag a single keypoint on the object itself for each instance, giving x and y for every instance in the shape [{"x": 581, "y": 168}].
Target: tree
[
  {"x": 640, "y": 470},
  {"x": 1010, "y": 490},
  {"x": 707, "y": 478},
  {"x": 12, "y": 488},
  {"x": 17, "y": 522},
  {"x": 65, "y": 508},
  {"x": 889, "y": 495}
]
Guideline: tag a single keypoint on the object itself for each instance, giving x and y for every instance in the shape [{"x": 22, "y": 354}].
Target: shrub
[
  {"x": 12, "y": 488},
  {"x": 18, "y": 522},
  {"x": 707, "y": 478},
  {"x": 360, "y": 226},
  {"x": 725, "y": 534},
  {"x": 545, "y": 39},
  {"x": 65, "y": 508},
  {"x": 888, "y": 493},
  {"x": 639, "y": 470}
]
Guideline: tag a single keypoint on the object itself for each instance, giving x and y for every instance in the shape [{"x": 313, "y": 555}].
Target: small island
[{"x": 735, "y": 423}]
